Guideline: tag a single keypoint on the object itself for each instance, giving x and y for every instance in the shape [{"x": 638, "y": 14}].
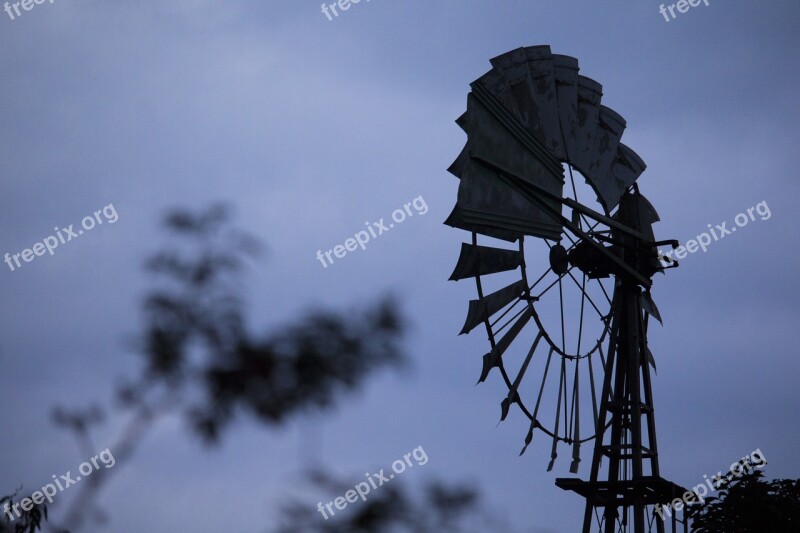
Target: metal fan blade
[
  {"x": 486, "y": 200},
  {"x": 481, "y": 310},
  {"x": 506, "y": 404},
  {"x": 651, "y": 359},
  {"x": 576, "y": 435},
  {"x": 480, "y": 260},
  {"x": 529, "y": 436},
  {"x": 494, "y": 81},
  {"x": 553, "y": 455},
  {"x": 576, "y": 458},
  {"x": 462, "y": 121},
  {"x": 590, "y": 93},
  {"x": 637, "y": 213},
  {"x": 650, "y": 306},
  {"x": 566, "y": 74},
  {"x": 542, "y": 70},
  {"x": 514, "y": 66},
  {"x": 492, "y": 359},
  {"x": 457, "y": 168},
  {"x": 625, "y": 170},
  {"x": 456, "y": 220},
  {"x": 496, "y": 136},
  {"x": 512, "y": 392},
  {"x": 502, "y": 64},
  {"x": 648, "y": 214},
  {"x": 610, "y": 126}
]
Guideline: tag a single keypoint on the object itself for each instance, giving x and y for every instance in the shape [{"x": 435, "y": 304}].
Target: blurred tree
[
  {"x": 28, "y": 521},
  {"x": 437, "y": 508},
  {"x": 749, "y": 504},
  {"x": 199, "y": 357}
]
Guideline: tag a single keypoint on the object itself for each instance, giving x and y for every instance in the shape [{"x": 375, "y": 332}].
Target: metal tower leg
[{"x": 633, "y": 479}]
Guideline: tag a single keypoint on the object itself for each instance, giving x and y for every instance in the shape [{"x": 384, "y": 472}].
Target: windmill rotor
[{"x": 570, "y": 344}]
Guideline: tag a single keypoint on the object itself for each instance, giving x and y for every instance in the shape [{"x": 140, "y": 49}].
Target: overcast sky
[{"x": 309, "y": 127}]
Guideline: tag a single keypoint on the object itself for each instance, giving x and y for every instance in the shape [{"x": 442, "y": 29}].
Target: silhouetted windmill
[{"x": 528, "y": 116}]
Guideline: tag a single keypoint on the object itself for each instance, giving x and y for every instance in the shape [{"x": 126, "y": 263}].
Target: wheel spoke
[
  {"x": 554, "y": 450},
  {"x": 541, "y": 389},
  {"x": 509, "y": 321},
  {"x": 600, "y": 313},
  {"x": 594, "y": 390},
  {"x": 561, "y": 301},
  {"x": 602, "y": 287}
]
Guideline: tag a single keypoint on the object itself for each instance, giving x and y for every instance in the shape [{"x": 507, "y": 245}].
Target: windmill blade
[
  {"x": 576, "y": 424},
  {"x": 505, "y": 405},
  {"x": 576, "y": 457},
  {"x": 542, "y": 70},
  {"x": 566, "y": 69},
  {"x": 530, "y": 79},
  {"x": 649, "y": 306},
  {"x": 456, "y": 220},
  {"x": 481, "y": 310},
  {"x": 610, "y": 126},
  {"x": 513, "y": 396},
  {"x": 484, "y": 199},
  {"x": 496, "y": 136},
  {"x": 514, "y": 70},
  {"x": 651, "y": 359},
  {"x": 457, "y": 168},
  {"x": 562, "y": 380},
  {"x": 534, "y": 420},
  {"x": 480, "y": 260},
  {"x": 638, "y": 214},
  {"x": 529, "y": 436},
  {"x": 462, "y": 121},
  {"x": 494, "y": 81},
  {"x": 647, "y": 212},
  {"x": 590, "y": 93},
  {"x": 493, "y": 358},
  {"x": 625, "y": 170}
]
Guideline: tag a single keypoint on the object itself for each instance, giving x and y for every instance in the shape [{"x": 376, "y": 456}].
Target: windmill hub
[
  {"x": 559, "y": 259},
  {"x": 597, "y": 265},
  {"x": 584, "y": 257}
]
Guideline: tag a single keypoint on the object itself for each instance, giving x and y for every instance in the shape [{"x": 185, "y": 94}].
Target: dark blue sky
[{"x": 310, "y": 127}]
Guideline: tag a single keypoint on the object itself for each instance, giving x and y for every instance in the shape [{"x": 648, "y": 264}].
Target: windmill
[{"x": 570, "y": 343}]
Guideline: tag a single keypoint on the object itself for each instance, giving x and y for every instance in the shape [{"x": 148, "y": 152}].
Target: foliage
[
  {"x": 201, "y": 359},
  {"x": 28, "y": 522},
  {"x": 750, "y": 505},
  {"x": 391, "y": 509}
]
